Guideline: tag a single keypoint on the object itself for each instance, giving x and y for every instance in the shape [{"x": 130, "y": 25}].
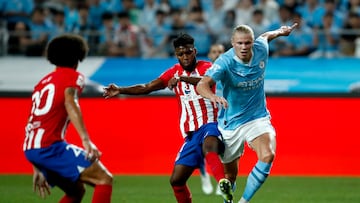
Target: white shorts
[{"x": 234, "y": 139}]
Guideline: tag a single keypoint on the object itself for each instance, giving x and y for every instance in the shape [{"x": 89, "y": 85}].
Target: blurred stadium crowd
[{"x": 145, "y": 28}]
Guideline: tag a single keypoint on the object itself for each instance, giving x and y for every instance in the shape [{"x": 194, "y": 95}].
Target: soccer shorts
[
  {"x": 191, "y": 153},
  {"x": 63, "y": 159},
  {"x": 234, "y": 139}
]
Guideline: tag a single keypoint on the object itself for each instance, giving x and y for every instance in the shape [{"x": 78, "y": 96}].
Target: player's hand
[
  {"x": 286, "y": 30},
  {"x": 92, "y": 152},
  {"x": 40, "y": 185},
  {"x": 173, "y": 82},
  {"x": 110, "y": 91},
  {"x": 219, "y": 100}
]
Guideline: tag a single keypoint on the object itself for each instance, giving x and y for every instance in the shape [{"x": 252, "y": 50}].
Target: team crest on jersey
[
  {"x": 187, "y": 90},
  {"x": 80, "y": 81},
  {"x": 262, "y": 64}
]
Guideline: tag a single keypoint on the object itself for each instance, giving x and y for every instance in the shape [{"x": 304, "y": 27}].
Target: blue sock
[
  {"x": 256, "y": 178},
  {"x": 233, "y": 186}
]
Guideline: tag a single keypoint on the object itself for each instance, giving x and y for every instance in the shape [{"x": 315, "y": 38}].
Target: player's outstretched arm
[
  {"x": 140, "y": 89},
  {"x": 282, "y": 31},
  {"x": 204, "y": 89}
]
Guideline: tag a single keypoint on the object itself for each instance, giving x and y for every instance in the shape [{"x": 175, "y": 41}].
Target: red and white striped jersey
[
  {"x": 195, "y": 110},
  {"x": 48, "y": 118}
]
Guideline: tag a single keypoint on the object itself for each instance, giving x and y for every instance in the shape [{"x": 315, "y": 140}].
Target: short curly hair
[
  {"x": 182, "y": 40},
  {"x": 67, "y": 50}
]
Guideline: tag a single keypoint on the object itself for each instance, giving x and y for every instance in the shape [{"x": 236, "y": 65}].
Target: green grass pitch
[{"x": 156, "y": 189}]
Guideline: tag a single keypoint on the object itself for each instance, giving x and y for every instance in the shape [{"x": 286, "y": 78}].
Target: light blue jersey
[{"x": 243, "y": 85}]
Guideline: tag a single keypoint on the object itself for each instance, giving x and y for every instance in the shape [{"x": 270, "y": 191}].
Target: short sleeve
[
  {"x": 217, "y": 70},
  {"x": 168, "y": 74}
]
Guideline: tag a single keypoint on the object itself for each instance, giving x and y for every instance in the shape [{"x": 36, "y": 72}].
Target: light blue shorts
[{"x": 234, "y": 139}]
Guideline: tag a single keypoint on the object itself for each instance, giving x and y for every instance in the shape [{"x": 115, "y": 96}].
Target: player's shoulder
[
  {"x": 260, "y": 42},
  {"x": 69, "y": 77},
  {"x": 228, "y": 55},
  {"x": 261, "y": 47},
  {"x": 176, "y": 66},
  {"x": 43, "y": 81},
  {"x": 168, "y": 73},
  {"x": 226, "y": 58},
  {"x": 203, "y": 64}
]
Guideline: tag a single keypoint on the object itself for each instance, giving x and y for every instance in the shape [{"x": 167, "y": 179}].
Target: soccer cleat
[
  {"x": 226, "y": 190},
  {"x": 206, "y": 185},
  {"x": 218, "y": 191}
]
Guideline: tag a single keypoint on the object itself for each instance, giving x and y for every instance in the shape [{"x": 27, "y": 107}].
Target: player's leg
[
  {"x": 64, "y": 162},
  {"x": 98, "y": 176},
  {"x": 227, "y": 185},
  {"x": 206, "y": 185},
  {"x": 188, "y": 159},
  {"x": 178, "y": 179},
  {"x": 58, "y": 163},
  {"x": 74, "y": 190},
  {"x": 212, "y": 147},
  {"x": 233, "y": 149},
  {"x": 202, "y": 170},
  {"x": 264, "y": 146}
]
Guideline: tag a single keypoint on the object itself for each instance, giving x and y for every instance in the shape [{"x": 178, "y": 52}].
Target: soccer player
[
  {"x": 244, "y": 115},
  {"x": 215, "y": 51},
  {"x": 54, "y": 105},
  {"x": 197, "y": 117},
  {"x": 206, "y": 186}
]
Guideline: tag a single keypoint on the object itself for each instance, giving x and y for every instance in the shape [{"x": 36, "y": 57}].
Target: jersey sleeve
[
  {"x": 262, "y": 43},
  {"x": 168, "y": 74},
  {"x": 76, "y": 80},
  {"x": 203, "y": 66},
  {"x": 217, "y": 70}
]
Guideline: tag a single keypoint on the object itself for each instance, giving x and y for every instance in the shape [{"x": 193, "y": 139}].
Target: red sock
[
  {"x": 182, "y": 194},
  {"x": 68, "y": 199},
  {"x": 102, "y": 194},
  {"x": 217, "y": 168}
]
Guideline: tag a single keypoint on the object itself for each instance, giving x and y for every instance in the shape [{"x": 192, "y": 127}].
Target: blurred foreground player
[{"x": 54, "y": 105}]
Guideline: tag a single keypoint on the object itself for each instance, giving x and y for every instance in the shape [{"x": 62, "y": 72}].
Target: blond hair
[{"x": 243, "y": 29}]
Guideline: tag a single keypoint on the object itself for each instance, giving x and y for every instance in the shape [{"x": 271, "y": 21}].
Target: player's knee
[
  {"x": 106, "y": 179},
  {"x": 173, "y": 182},
  {"x": 176, "y": 181},
  {"x": 267, "y": 156},
  {"x": 76, "y": 193},
  {"x": 81, "y": 193},
  {"x": 210, "y": 148}
]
